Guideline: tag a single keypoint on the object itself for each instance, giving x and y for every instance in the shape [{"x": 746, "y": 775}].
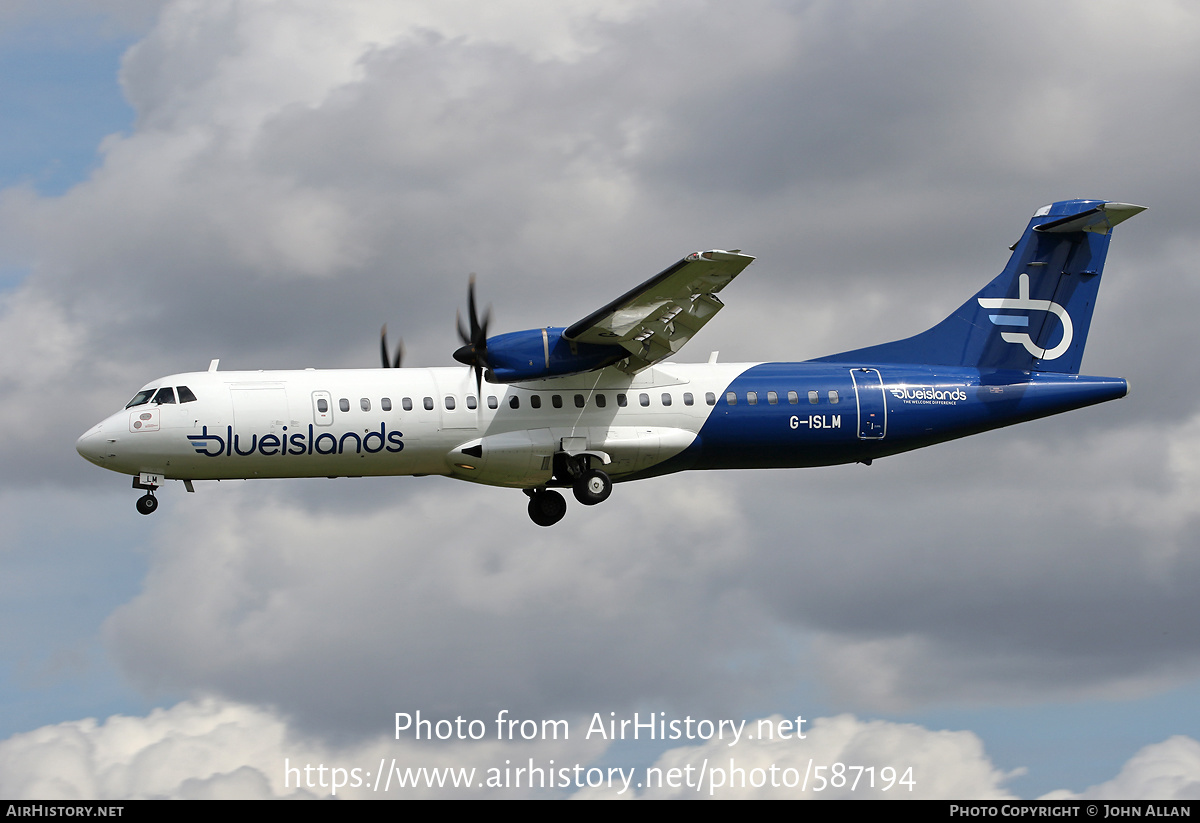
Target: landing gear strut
[{"x": 546, "y": 507}]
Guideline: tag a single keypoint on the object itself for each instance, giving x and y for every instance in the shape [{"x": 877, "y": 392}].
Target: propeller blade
[
  {"x": 390, "y": 363},
  {"x": 473, "y": 351}
]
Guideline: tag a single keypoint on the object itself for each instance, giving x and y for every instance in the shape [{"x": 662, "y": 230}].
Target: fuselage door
[
  {"x": 322, "y": 408},
  {"x": 872, "y": 407}
]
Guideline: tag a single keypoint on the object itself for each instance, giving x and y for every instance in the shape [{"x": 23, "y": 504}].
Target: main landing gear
[
  {"x": 147, "y": 503},
  {"x": 546, "y": 507},
  {"x": 590, "y": 486}
]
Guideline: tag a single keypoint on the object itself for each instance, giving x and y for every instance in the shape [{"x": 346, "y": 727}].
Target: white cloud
[
  {"x": 1162, "y": 771},
  {"x": 841, "y": 758},
  {"x": 211, "y": 749},
  {"x": 217, "y": 749}
]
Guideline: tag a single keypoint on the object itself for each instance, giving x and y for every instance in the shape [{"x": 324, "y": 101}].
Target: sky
[{"x": 1010, "y": 615}]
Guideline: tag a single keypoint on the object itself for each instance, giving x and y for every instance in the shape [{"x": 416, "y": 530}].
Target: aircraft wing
[{"x": 654, "y": 320}]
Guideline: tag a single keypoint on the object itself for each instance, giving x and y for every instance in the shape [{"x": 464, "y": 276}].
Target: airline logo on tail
[{"x": 1022, "y": 302}]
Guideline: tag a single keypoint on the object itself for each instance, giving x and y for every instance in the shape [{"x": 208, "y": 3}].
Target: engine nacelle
[{"x": 534, "y": 354}]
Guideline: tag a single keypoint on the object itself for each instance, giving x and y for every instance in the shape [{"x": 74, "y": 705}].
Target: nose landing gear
[{"x": 147, "y": 482}]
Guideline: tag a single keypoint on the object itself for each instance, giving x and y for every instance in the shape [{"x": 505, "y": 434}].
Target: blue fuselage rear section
[{"x": 782, "y": 415}]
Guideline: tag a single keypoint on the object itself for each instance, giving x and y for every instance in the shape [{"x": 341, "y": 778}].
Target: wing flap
[{"x": 655, "y": 320}]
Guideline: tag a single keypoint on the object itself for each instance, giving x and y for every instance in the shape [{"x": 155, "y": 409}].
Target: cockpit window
[
  {"x": 185, "y": 394},
  {"x": 165, "y": 395},
  {"x": 141, "y": 398}
]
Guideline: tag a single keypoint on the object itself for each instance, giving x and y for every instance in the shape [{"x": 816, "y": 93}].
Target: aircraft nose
[{"x": 91, "y": 446}]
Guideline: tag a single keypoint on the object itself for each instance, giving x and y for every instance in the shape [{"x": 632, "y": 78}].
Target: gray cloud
[{"x": 293, "y": 182}]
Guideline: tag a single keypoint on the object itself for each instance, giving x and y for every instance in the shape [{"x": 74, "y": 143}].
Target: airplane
[{"x": 598, "y": 402}]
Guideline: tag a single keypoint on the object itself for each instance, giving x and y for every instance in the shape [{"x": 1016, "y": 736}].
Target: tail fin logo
[{"x": 1022, "y": 302}]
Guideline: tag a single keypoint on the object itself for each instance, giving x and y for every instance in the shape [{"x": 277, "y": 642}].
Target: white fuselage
[{"x": 331, "y": 423}]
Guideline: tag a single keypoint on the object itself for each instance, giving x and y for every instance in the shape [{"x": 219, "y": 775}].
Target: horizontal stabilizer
[{"x": 1100, "y": 219}]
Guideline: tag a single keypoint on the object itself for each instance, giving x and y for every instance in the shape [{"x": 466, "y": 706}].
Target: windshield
[{"x": 140, "y": 398}]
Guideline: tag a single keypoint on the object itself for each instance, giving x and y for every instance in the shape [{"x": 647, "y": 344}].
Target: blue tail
[{"x": 1033, "y": 317}]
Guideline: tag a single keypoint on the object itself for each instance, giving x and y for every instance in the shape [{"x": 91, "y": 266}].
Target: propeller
[
  {"x": 389, "y": 363},
  {"x": 473, "y": 352}
]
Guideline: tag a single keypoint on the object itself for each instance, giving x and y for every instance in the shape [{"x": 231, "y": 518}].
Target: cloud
[
  {"x": 841, "y": 758},
  {"x": 211, "y": 749},
  {"x": 1162, "y": 771},
  {"x": 342, "y": 615},
  {"x": 295, "y": 178},
  {"x": 217, "y": 749}
]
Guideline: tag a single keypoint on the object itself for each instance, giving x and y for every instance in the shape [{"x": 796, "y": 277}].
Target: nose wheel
[{"x": 147, "y": 503}]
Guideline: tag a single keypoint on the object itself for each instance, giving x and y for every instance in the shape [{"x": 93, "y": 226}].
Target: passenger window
[
  {"x": 687, "y": 398},
  {"x": 140, "y": 398},
  {"x": 514, "y": 402},
  {"x": 428, "y": 403},
  {"x": 386, "y": 404},
  {"x": 601, "y": 401},
  {"x": 322, "y": 405},
  {"x": 493, "y": 403},
  {"x": 364, "y": 404},
  {"x": 556, "y": 400},
  {"x": 185, "y": 395},
  {"x": 406, "y": 403},
  {"x": 472, "y": 403},
  {"x": 622, "y": 400},
  {"x": 644, "y": 399},
  {"x": 165, "y": 395},
  {"x": 449, "y": 402},
  {"x": 773, "y": 397},
  {"x": 833, "y": 396},
  {"x": 710, "y": 398},
  {"x": 666, "y": 398},
  {"x": 535, "y": 400},
  {"x": 812, "y": 397},
  {"x": 731, "y": 398},
  {"x": 580, "y": 401},
  {"x": 344, "y": 404},
  {"x": 752, "y": 398},
  {"x": 793, "y": 398}
]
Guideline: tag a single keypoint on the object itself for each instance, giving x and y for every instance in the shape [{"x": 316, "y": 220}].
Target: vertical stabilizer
[{"x": 1035, "y": 316}]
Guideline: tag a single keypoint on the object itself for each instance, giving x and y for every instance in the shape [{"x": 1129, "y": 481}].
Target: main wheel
[
  {"x": 594, "y": 487},
  {"x": 147, "y": 503},
  {"x": 547, "y": 507}
]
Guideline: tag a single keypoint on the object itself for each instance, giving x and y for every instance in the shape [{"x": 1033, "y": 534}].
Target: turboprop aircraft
[{"x": 598, "y": 402}]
